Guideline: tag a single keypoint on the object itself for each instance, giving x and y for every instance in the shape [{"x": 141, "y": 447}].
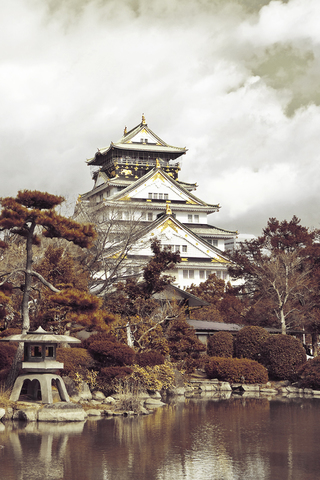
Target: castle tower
[{"x": 136, "y": 181}]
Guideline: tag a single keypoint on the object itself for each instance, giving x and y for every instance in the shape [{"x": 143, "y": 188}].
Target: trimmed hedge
[
  {"x": 309, "y": 374},
  {"x": 249, "y": 342},
  {"x": 282, "y": 355},
  {"x": 149, "y": 359},
  {"x": 220, "y": 344},
  {"x": 236, "y": 370},
  {"x": 7, "y": 354},
  {"x": 74, "y": 359},
  {"x": 106, "y": 350}
]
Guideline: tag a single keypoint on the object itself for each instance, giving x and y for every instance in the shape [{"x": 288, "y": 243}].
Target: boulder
[
  {"x": 225, "y": 386},
  {"x": 93, "y": 412},
  {"x": 99, "y": 396},
  {"x": 153, "y": 403},
  {"x": 109, "y": 400},
  {"x": 29, "y": 414},
  {"x": 62, "y": 412},
  {"x": 8, "y": 414},
  {"x": 155, "y": 395},
  {"x": 208, "y": 387},
  {"x": 178, "y": 379},
  {"x": 176, "y": 391},
  {"x": 77, "y": 391},
  {"x": 250, "y": 388},
  {"x": 268, "y": 391}
]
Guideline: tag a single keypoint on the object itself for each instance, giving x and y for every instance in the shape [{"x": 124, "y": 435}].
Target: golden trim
[
  {"x": 169, "y": 223},
  {"x": 158, "y": 175}
]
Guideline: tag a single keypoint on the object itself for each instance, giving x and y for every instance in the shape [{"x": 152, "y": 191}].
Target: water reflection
[{"x": 213, "y": 439}]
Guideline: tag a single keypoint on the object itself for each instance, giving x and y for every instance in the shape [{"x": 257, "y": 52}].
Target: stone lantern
[{"x": 40, "y": 365}]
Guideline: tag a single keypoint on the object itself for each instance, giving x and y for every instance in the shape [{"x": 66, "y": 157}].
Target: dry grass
[{"x": 5, "y": 397}]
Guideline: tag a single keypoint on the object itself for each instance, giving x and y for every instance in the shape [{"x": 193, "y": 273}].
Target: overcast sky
[{"x": 235, "y": 81}]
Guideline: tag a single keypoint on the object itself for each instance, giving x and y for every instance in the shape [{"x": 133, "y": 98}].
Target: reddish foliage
[
  {"x": 282, "y": 355},
  {"x": 74, "y": 359},
  {"x": 220, "y": 344},
  {"x": 235, "y": 370},
  {"x": 108, "y": 374},
  {"x": 7, "y": 354},
  {"x": 149, "y": 359},
  {"x": 108, "y": 351},
  {"x": 249, "y": 342}
]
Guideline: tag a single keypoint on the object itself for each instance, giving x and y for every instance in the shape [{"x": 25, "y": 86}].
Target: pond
[{"x": 199, "y": 439}]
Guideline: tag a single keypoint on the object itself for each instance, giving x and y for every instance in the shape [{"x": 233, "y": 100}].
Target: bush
[
  {"x": 282, "y": 355},
  {"x": 74, "y": 359},
  {"x": 309, "y": 374},
  {"x": 7, "y": 354},
  {"x": 109, "y": 378},
  {"x": 220, "y": 345},
  {"x": 153, "y": 378},
  {"x": 183, "y": 341},
  {"x": 236, "y": 370},
  {"x": 149, "y": 359},
  {"x": 108, "y": 351},
  {"x": 108, "y": 374},
  {"x": 249, "y": 342}
]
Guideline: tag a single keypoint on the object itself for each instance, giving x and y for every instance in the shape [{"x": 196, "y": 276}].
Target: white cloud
[{"x": 217, "y": 77}]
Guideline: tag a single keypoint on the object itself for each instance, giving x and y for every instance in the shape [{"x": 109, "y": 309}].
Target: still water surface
[{"x": 199, "y": 439}]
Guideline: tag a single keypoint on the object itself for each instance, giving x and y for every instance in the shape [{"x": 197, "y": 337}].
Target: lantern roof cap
[{"x": 40, "y": 336}]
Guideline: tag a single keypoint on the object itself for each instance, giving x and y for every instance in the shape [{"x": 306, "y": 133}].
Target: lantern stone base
[{"x": 42, "y": 380}]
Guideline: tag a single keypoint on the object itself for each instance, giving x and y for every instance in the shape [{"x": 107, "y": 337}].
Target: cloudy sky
[{"x": 235, "y": 81}]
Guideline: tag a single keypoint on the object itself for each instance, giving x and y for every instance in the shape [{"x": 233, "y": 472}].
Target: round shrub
[
  {"x": 108, "y": 351},
  {"x": 149, "y": 359},
  {"x": 7, "y": 354},
  {"x": 249, "y": 341},
  {"x": 282, "y": 355},
  {"x": 220, "y": 344},
  {"x": 309, "y": 374},
  {"x": 74, "y": 359},
  {"x": 236, "y": 370},
  {"x": 109, "y": 377}
]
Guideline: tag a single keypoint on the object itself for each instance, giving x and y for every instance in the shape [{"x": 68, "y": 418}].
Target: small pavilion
[{"x": 40, "y": 365}]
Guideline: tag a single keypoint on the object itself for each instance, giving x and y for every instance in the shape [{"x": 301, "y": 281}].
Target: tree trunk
[
  {"x": 315, "y": 338},
  {"x": 283, "y": 323},
  {"x": 27, "y": 282},
  {"x": 16, "y": 364}
]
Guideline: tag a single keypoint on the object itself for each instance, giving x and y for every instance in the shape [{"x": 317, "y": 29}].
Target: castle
[{"x": 137, "y": 196}]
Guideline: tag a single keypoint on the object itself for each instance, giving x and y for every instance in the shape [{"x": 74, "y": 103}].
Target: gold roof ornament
[
  {"x": 168, "y": 210},
  {"x": 144, "y": 120},
  {"x": 158, "y": 163},
  {"x": 125, "y": 130}
]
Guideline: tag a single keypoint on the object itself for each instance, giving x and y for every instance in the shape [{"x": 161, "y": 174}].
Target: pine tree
[{"x": 31, "y": 215}]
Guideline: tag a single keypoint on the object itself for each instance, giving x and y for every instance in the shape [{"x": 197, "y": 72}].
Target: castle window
[
  {"x": 184, "y": 248},
  {"x": 155, "y": 196},
  {"x": 188, "y": 273},
  {"x": 193, "y": 218},
  {"x": 149, "y": 195},
  {"x": 166, "y": 196},
  {"x": 150, "y": 217},
  {"x": 160, "y": 196}
]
